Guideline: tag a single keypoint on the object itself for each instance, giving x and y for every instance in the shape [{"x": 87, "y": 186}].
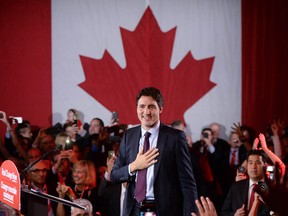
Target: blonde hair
[
  {"x": 90, "y": 170},
  {"x": 62, "y": 139}
]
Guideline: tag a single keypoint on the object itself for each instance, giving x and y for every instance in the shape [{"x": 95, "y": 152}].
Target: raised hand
[
  {"x": 205, "y": 207},
  {"x": 263, "y": 141},
  {"x": 236, "y": 128},
  {"x": 241, "y": 211},
  {"x": 240, "y": 176},
  {"x": 255, "y": 144}
]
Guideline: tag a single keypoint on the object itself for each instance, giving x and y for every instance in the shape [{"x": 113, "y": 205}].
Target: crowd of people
[{"x": 85, "y": 163}]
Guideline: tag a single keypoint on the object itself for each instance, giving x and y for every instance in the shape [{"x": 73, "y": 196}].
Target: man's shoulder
[
  {"x": 169, "y": 129},
  {"x": 241, "y": 184},
  {"x": 133, "y": 130}
]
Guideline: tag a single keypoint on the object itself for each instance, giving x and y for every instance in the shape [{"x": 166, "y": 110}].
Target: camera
[
  {"x": 270, "y": 170},
  {"x": 112, "y": 129},
  {"x": 68, "y": 144},
  {"x": 15, "y": 120},
  {"x": 205, "y": 135},
  {"x": 236, "y": 141},
  {"x": 242, "y": 169},
  {"x": 115, "y": 117},
  {"x": 111, "y": 154}
]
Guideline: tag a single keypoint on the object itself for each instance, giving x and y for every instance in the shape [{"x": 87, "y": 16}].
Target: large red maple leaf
[{"x": 148, "y": 53}]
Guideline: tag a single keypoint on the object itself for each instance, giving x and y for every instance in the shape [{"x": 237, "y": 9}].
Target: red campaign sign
[{"x": 10, "y": 185}]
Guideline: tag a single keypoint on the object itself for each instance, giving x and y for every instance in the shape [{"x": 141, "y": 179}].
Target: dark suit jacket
[
  {"x": 228, "y": 173},
  {"x": 109, "y": 195},
  {"x": 237, "y": 196},
  {"x": 174, "y": 185}
]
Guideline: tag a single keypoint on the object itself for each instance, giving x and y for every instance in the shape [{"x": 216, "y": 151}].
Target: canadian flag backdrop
[{"x": 214, "y": 61}]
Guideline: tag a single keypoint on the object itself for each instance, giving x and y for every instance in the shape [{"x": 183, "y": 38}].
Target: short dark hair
[
  {"x": 100, "y": 121},
  {"x": 257, "y": 152},
  {"x": 207, "y": 129},
  {"x": 66, "y": 125},
  {"x": 21, "y": 127},
  {"x": 152, "y": 92},
  {"x": 177, "y": 123}
]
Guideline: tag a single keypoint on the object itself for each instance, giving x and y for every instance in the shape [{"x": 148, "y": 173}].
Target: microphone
[
  {"x": 261, "y": 188},
  {"x": 56, "y": 148}
]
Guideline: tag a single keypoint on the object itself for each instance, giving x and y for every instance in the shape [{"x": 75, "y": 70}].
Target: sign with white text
[{"x": 10, "y": 185}]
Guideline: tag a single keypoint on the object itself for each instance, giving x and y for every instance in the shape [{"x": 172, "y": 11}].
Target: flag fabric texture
[{"x": 95, "y": 56}]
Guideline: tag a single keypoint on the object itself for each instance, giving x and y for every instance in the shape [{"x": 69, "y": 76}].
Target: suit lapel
[
  {"x": 161, "y": 142},
  {"x": 246, "y": 189},
  {"x": 135, "y": 137}
]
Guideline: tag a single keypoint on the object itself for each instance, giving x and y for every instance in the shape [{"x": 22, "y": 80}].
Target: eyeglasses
[{"x": 37, "y": 171}]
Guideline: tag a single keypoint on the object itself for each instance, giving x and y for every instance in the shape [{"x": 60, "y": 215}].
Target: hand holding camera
[
  {"x": 241, "y": 174},
  {"x": 3, "y": 117},
  {"x": 206, "y": 139},
  {"x": 114, "y": 118},
  {"x": 110, "y": 161}
]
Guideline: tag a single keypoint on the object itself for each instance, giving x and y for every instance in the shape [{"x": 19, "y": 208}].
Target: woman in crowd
[{"x": 84, "y": 177}]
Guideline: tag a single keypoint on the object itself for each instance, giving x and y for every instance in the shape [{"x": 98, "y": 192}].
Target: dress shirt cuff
[
  {"x": 107, "y": 176},
  {"x": 131, "y": 174},
  {"x": 211, "y": 148}
]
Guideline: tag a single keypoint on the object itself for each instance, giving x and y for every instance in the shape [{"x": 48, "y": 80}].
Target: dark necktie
[
  {"x": 233, "y": 158},
  {"x": 140, "y": 190},
  {"x": 252, "y": 196}
]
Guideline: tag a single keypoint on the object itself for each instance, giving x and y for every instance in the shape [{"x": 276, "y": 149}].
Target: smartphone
[
  {"x": 75, "y": 119},
  {"x": 205, "y": 135},
  {"x": 270, "y": 168},
  {"x": 1, "y": 115},
  {"x": 242, "y": 169},
  {"x": 111, "y": 154},
  {"x": 15, "y": 120},
  {"x": 68, "y": 144},
  {"x": 115, "y": 117}
]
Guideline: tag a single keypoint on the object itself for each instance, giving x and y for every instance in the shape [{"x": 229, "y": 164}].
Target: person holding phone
[
  {"x": 208, "y": 159},
  {"x": 18, "y": 138}
]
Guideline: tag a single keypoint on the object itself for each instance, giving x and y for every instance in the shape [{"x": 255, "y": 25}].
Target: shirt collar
[
  {"x": 251, "y": 182},
  {"x": 44, "y": 189},
  {"x": 154, "y": 131}
]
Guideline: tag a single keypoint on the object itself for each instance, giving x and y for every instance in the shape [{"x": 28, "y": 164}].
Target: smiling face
[
  {"x": 79, "y": 176},
  {"x": 95, "y": 127},
  {"x": 148, "y": 112},
  {"x": 70, "y": 116}
]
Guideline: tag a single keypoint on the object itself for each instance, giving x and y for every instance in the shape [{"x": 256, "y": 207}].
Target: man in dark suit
[
  {"x": 111, "y": 195},
  {"x": 238, "y": 201},
  {"x": 233, "y": 157},
  {"x": 170, "y": 184}
]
